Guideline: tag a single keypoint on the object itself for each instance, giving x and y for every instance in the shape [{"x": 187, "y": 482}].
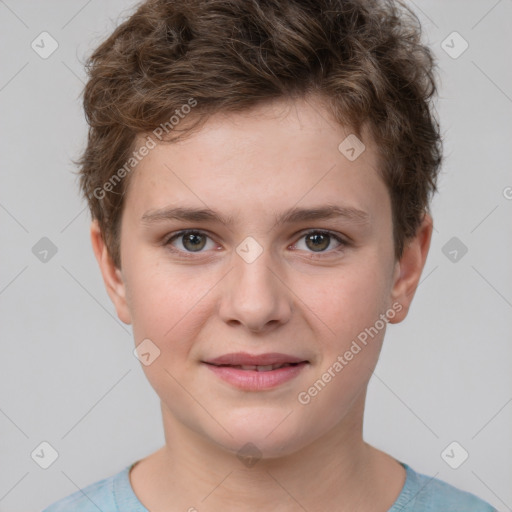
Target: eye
[
  {"x": 191, "y": 240},
  {"x": 318, "y": 241}
]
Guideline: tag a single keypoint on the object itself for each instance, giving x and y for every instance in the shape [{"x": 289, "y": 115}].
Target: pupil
[
  {"x": 194, "y": 239},
  {"x": 317, "y": 242}
]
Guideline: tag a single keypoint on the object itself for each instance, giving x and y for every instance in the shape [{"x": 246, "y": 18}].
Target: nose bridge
[
  {"x": 253, "y": 266},
  {"x": 254, "y": 296}
]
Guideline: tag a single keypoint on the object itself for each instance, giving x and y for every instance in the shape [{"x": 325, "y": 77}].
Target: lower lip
[{"x": 252, "y": 380}]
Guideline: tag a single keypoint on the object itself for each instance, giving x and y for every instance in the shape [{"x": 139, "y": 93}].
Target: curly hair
[{"x": 363, "y": 58}]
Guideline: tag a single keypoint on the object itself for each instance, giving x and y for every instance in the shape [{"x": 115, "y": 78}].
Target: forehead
[{"x": 279, "y": 154}]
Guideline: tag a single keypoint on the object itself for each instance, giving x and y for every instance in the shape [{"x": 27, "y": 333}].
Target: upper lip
[{"x": 245, "y": 359}]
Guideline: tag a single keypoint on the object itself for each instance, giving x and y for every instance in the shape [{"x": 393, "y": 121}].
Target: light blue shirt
[{"x": 420, "y": 493}]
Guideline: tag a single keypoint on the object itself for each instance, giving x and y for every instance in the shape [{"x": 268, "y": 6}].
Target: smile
[{"x": 243, "y": 371}]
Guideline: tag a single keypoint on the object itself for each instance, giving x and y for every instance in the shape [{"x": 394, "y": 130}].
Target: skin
[{"x": 254, "y": 165}]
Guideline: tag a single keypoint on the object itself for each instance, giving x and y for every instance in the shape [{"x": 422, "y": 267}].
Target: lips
[
  {"x": 260, "y": 368},
  {"x": 256, "y": 372},
  {"x": 269, "y": 361}
]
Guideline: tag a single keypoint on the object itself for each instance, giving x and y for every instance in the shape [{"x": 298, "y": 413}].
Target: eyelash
[{"x": 183, "y": 254}]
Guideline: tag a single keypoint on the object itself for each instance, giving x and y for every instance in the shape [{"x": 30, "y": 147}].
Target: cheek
[
  {"x": 347, "y": 300},
  {"x": 165, "y": 302}
]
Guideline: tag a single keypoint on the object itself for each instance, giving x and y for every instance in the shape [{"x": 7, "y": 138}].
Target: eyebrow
[{"x": 293, "y": 215}]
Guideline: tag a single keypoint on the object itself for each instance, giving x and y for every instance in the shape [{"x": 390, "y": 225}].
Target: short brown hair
[{"x": 364, "y": 58}]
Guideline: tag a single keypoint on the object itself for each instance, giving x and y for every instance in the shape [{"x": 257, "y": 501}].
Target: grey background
[{"x": 67, "y": 372}]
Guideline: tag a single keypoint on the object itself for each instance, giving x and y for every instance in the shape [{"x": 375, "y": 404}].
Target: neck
[{"x": 337, "y": 471}]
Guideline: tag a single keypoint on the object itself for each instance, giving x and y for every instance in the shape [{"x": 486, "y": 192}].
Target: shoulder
[
  {"x": 99, "y": 495},
  {"x": 422, "y": 493}
]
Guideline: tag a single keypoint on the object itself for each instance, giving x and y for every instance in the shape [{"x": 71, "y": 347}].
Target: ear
[
  {"x": 409, "y": 268},
  {"x": 112, "y": 276}
]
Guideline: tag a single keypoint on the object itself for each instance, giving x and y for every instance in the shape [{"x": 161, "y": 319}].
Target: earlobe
[
  {"x": 112, "y": 276},
  {"x": 408, "y": 270}
]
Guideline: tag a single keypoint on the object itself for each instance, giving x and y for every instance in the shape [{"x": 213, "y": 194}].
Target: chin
[{"x": 264, "y": 433}]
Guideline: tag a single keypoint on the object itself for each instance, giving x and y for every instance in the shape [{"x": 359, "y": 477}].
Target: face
[{"x": 290, "y": 263}]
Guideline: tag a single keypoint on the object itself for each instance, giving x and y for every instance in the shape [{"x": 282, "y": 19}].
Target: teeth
[
  {"x": 262, "y": 368},
  {"x": 265, "y": 368}
]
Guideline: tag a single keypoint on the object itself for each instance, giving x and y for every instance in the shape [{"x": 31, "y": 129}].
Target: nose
[{"x": 255, "y": 295}]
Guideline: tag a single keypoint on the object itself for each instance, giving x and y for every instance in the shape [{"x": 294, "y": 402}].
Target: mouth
[
  {"x": 257, "y": 368},
  {"x": 244, "y": 359},
  {"x": 256, "y": 372}
]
